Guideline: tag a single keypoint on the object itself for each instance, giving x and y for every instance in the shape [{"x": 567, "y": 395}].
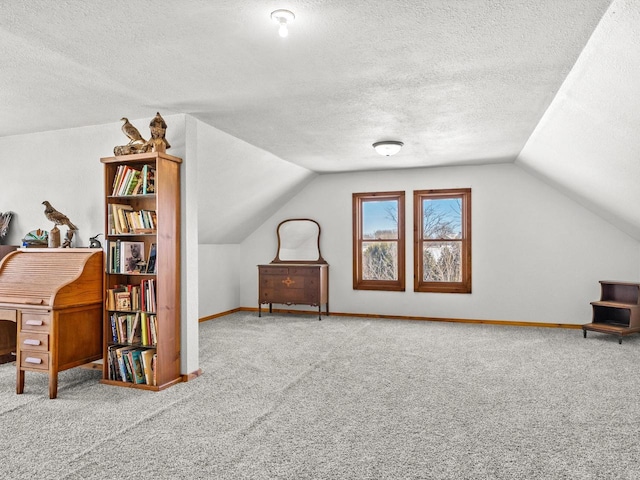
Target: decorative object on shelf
[
  {"x": 36, "y": 238},
  {"x": 59, "y": 218},
  {"x": 54, "y": 237},
  {"x": 5, "y": 218},
  {"x": 94, "y": 242},
  {"x": 388, "y": 147},
  {"x": 158, "y": 127},
  {"x": 132, "y": 132},
  {"x": 67, "y": 239},
  {"x": 137, "y": 144}
]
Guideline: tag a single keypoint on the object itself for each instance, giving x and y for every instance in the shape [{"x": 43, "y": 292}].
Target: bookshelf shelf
[{"x": 141, "y": 317}]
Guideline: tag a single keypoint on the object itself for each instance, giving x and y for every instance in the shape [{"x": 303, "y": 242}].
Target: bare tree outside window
[
  {"x": 378, "y": 241},
  {"x": 442, "y": 241}
]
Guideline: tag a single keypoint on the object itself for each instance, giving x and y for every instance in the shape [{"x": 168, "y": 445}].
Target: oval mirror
[{"x": 298, "y": 241}]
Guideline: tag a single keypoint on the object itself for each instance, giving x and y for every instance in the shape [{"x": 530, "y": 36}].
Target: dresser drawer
[
  {"x": 274, "y": 271},
  {"x": 283, "y": 296},
  {"x": 35, "y": 322},
  {"x": 7, "y": 314},
  {"x": 307, "y": 272},
  {"x": 36, "y": 360},
  {"x": 34, "y": 341}
]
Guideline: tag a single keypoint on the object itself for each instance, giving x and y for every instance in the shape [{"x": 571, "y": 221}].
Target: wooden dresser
[
  {"x": 294, "y": 284},
  {"x": 55, "y": 298}
]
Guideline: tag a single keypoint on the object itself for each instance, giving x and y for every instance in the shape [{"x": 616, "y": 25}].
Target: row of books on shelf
[
  {"x": 139, "y": 328},
  {"x": 132, "y": 364},
  {"x": 123, "y": 218},
  {"x": 125, "y": 298},
  {"x": 129, "y": 257},
  {"x": 131, "y": 181}
]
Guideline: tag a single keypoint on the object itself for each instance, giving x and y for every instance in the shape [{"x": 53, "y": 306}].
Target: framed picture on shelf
[{"x": 132, "y": 257}]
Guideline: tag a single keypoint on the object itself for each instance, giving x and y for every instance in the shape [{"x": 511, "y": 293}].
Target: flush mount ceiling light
[
  {"x": 388, "y": 147},
  {"x": 282, "y": 18}
]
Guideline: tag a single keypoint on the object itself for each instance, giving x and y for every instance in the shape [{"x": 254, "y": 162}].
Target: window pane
[
  {"x": 441, "y": 218},
  {"x": 379, "y": 261},
  {"x": 442, "y": 262},
  {"x": 380, "y": 219}
]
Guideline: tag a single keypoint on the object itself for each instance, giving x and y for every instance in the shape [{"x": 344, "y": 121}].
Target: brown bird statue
[
  {"x": 131, "y": 132},
  {"x": 56, "y": 217}
]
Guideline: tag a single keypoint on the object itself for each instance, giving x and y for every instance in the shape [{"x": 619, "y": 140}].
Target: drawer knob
[
  {"x": 35, "y": 360},
  {"x": 32, "y": 341},
  {"x": 34, "y": 322}
]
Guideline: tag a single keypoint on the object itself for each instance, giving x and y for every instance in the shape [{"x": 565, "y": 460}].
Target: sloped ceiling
[
  {"x": 588, "y": 142},
  {"x": 460, "y": 82}
]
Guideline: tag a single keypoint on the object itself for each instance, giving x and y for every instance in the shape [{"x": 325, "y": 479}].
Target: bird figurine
[
  {"x": 131, "y": 132},
  {"x": 56, "y": 217}
]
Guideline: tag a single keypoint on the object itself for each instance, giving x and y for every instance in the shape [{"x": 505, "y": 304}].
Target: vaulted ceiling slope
[
  {"x": 460, "y": 82},
  {"x": 588, "y": 142}
]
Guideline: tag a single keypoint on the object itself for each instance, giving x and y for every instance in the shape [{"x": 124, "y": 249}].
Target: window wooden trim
[
  {"x": 358, "y": 282},
  {"x": 420, "y": 285}
]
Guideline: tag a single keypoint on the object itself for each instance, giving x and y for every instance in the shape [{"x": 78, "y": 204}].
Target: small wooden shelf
[{"x": 618, "y": 310}]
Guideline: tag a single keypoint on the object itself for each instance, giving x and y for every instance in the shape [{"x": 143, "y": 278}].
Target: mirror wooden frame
[{"x": 319, "y": 260}]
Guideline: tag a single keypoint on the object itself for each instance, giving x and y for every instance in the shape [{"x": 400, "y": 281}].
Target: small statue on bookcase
[
  {"x": 137, "y": 144},
  {"x": 158, "y": 127},
  {"x": 59, "y": 218}
]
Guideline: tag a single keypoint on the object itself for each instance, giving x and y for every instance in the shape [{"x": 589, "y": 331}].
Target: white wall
[
  {"x": 537, "y": 255},
  {"x": 587, "y": 142},
  {"x": 241, "y": 185},
  {"x": 219, "y": 279}
]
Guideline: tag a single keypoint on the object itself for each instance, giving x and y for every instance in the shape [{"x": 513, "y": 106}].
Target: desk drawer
[
  {"x": 34, "y": 341},
  {"x": 35, "y": 360},
  {"x": 35, "y": 322},
  {"x": 6, "y": 314}
]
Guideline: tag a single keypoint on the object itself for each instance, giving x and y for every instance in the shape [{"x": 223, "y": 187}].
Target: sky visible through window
[
  {"x": 380, "y": 215},
  {"x": 448, "y": 209},
  {"x": 376, "y": 216}
]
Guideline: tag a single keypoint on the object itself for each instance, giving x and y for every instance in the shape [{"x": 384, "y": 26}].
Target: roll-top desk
[
  {"x": 298, "y": 275},
  {"x": 55, "y": 298},
  {"x": 7, "y": 325}
]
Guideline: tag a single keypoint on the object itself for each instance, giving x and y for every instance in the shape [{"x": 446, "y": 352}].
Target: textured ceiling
[{"x": 459, "y": 82}]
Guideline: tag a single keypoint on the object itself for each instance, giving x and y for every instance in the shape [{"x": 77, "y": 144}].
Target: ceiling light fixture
[
  {"x": 282, "y": 18},
  {"x": 388, "y": 147}
]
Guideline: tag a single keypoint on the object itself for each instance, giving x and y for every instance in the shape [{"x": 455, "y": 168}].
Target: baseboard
[
  {"x": 221, "y": 314},
  {"x": 407, "y": 317},
  {"x": 187, "y": 377}
]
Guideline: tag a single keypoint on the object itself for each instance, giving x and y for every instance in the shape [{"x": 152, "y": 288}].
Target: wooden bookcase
[
  {"x": 618, "y": 310},
  {"x": 161, "y": 207}
]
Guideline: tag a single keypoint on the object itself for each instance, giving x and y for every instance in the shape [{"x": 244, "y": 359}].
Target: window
[
  {"x": 378, "y": 241},
  {"x": 442, "y": 240}
]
